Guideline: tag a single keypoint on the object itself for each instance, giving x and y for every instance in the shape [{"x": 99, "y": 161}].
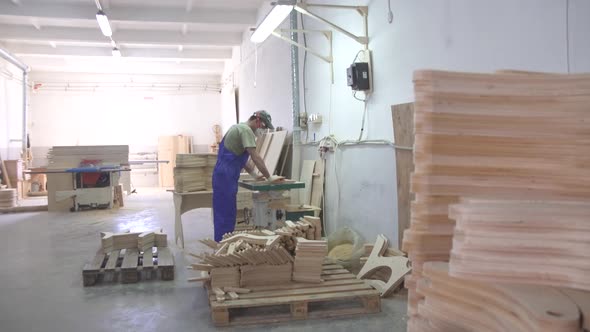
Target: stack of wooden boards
[
  {"x": 526, "y": 242},
  {"x": 309, "y": 228},
  {"x": 309, "y": 256},
  {"x": 168, "y": 148},
  {"x": 261, "y": 257},
  {"x": 8, "y": 198},
  {"x": 132, "y": 257},
  {"x": 14, "y": 171},
  {"x": 194, "y": 172},
  {"x": 61, "y": 158},
  {"x": 489, "y": 137}
]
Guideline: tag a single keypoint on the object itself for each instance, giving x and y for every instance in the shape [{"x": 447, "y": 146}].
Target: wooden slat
[
  {"x": 331, "y": 272},
  {"x": 292, "y": 298},
  {"x": 130, "y": 259},
  {"x": 112, "y": 261},
  {"x": 274, "y": 150},
  {"x": 165, "y": 257},
  {"x": 317, "y": 184},
  {"x": 307, "y": 178},
  {"x": 403, "y": 129},
  {"x": 350, "y": 281},
  {"x": 148, "y": 261},
  {"x": 304, "y": 291}
]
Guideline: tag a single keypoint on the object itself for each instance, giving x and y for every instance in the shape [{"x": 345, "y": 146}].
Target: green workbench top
[{"x": 266, "y": 186}]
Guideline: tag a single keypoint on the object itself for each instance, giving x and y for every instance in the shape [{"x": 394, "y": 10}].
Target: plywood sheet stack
[
  {"x": 8, "y": 198},
  {"x": 528, "y": 242},
  {"x": 193, "y": 172},
  {"x": 456, "y": 304},
  {"x": 168, "y": 148},
  {"x": 492, "y": 136},
  {"x": 309, "y": 257}
]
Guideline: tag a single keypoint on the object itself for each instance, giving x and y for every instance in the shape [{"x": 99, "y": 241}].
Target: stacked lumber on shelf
[
  {"x": 309, "y": 256},
  {"x": 457, "y": 304},
  {"x": 193, "y": 172},
  {"x": 168, "y": 148},
  {"x": 8, "y": 198},
  {"x": 62, "y": 157},
  {"x": 502, "y": 136},
  {"x": 528, "y": 242}
]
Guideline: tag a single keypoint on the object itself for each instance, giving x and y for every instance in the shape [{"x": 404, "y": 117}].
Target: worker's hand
[
  {"x": 253, "y": 174},
  {"x": 260, "y": 178}
]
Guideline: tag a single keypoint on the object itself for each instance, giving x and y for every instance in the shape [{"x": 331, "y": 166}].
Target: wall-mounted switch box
[{"x": 358, "y": 76}]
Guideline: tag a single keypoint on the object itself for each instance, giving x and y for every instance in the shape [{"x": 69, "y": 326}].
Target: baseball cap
[{"x": 266, "y": 118}]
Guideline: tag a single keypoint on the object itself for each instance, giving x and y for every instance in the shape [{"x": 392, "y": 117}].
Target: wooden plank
[
  {"x": 317, "y": 185},
  {"x": 304, "y": 291},
  {"x": 112, "y": 261},
  {"x": 292, "y": 298},
  {"x": 130, "y": 259},
  {"x": 148, "y": 259},
  {"x": 307, "y": 178},
  {"x": 351, "y": 280},
  {"x": 274, "y": 150},
  {"x": 5, "y": 177},
  {"x": 165, "y": 257},
  {"x": 403, "y": 129}
]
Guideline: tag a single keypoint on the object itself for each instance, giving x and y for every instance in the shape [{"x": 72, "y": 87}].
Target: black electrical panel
[{"x": 358, "y": 76}]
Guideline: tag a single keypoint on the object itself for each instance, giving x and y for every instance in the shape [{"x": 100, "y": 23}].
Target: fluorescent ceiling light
[
  {"x": 103, "y": 23},
  {"x": 277, "y": 15},
  {"x": 116, "y": 53}
]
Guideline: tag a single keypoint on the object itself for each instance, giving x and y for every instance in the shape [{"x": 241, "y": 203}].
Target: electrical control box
[{"x": 358, "y": 76}]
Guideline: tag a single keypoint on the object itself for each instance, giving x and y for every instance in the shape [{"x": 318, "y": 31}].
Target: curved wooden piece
[{"x": 398, "y": 266}]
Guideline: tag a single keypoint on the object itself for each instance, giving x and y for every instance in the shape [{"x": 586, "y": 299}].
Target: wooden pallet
[
  {"x": 130, "y": 266},
  {"x": 341, "y": 294}
]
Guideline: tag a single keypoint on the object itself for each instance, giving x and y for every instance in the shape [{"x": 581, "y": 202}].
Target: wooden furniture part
[
  {"x": 144, "y": 240},
  {"x": 269, "y": 146},
  {"x": 398, "y": 265},
  {"x": 403, "y": 130},
  {"x": 309, "y": 257},
  {"x": 184, "y": 202},
  {"x": 317, "y": 184},
  {"x": 457, "y": 304},
  {"x": 511, "y": 241},
  {"x": 168, "y": 148},
  {"x": 8, "y": 198},
  {"x": 501, "y": 135},
  {"x": 341, "y": 295},
  {"x": 129, "y": 266},
  {"x": 5, "y": 176},
  {"x": 265, "y": 274}
]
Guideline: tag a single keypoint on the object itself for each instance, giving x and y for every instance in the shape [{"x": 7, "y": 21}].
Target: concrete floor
[{"x": 42, "y": 254}]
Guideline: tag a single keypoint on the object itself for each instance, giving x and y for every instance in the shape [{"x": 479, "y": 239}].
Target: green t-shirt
[{"x": 239, "y": 137}]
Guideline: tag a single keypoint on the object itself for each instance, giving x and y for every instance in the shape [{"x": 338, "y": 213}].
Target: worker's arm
[{"x": 258, "y": 162}]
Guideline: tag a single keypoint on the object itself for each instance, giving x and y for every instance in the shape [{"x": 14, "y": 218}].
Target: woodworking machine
[{"x": 269, "y": 200}]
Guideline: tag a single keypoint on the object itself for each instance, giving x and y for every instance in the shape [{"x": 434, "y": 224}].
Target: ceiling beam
[
  {"x": 60, "y": 50},
  {"x": 218, "y": 38},
  {"x": 130, "y": 13}
]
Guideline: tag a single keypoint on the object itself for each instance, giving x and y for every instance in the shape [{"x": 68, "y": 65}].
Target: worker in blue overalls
[{"x": 237, "y": 145}]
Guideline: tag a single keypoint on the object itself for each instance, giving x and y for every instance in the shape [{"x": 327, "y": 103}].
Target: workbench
[{"x": 184, "y": 202}]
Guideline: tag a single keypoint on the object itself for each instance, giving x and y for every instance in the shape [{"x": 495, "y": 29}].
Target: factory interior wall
[
  {"x": 460, "y": 35},
  {"x": 11, "y": 110},
  {"x": 121, "y": 116}
]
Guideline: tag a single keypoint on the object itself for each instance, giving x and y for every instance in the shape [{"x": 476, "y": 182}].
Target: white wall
[
  {"x": 134, "y": 117},
  {"x": 11, "y": 110},
  {"x": 462, "y": 35}
]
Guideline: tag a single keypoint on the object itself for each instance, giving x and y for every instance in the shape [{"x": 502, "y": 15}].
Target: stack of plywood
[
  {"x": 193, "y": 172},
  {"x": 264, "y": 274},
  {"x": 455, "y": 304},
  {"x": 168, "y": 148},
  {"x": 492, "y": 136},
  {"x": 527, "y": 242},
  {"x": 7, "y": 198},
  {"x": 309, "y": 257}
]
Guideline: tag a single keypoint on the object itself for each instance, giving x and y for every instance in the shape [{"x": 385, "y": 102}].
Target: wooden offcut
[{"x": 403, "y": 130}]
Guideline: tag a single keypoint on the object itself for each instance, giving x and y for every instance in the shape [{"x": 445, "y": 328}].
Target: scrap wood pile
[
  {"x": 193, "y": 172},
  {"x": 247, "y": 258},
  {"x": 483, "y": 143}
]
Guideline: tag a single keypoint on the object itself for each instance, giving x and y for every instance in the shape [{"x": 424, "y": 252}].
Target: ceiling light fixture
[
  {"x": 272, "y": 20},
  {"x": 116, "y": 53},
  {"x": 103, "y": 23},
  {"x": 180, "y": 48}
]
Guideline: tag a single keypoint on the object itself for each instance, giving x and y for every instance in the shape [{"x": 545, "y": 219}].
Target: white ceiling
[{"x": 154, "y": 36}]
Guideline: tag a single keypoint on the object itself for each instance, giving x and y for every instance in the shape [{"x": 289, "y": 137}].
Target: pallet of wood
[
  {"x": 129, "y": 266},
  {"x": 494, "y": 136},
  {"x": 340, "y": 295}
]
